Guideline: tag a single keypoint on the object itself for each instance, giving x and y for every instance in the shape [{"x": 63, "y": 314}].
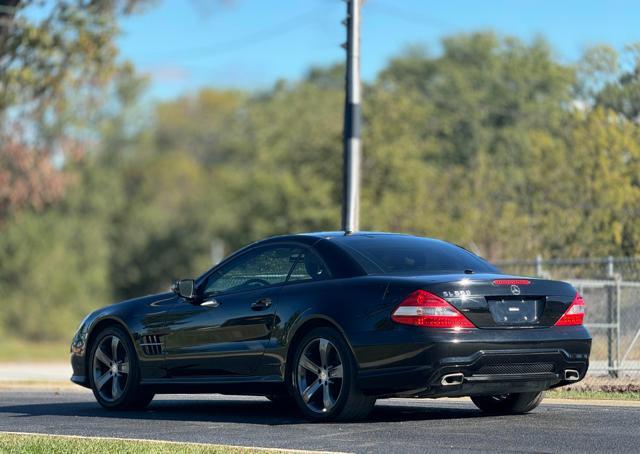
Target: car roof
[
  {"x": 313, "y": 237},
  {"x": 348, "y": 266},
  {"x": 343, "y": 234}
]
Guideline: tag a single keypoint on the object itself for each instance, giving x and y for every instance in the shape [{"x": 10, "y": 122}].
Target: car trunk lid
[{"x": 498, "y": 301}]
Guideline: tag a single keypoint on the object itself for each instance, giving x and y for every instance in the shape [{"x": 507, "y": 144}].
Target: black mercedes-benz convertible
[{"x": 330, "y": 322}]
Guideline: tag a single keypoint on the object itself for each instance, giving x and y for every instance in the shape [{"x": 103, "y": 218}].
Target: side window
[
  {"x": 261, "y": 268},
  {"x": 308, "y": 267}
]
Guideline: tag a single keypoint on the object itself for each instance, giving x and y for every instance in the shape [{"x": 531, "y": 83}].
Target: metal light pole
[{"x": 352, "y": 122}]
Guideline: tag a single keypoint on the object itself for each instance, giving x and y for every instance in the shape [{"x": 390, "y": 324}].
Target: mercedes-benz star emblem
[{"x": 515, "y": 289}]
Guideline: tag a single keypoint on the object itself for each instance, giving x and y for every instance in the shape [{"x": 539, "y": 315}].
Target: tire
[
  {"x": 322, "y": 378},
  {"x": 115, "y": 382},
  {"x": 508, "y": 404}
]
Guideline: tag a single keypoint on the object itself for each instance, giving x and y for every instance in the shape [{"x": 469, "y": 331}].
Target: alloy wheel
[
  {"x": 320, "y": 375},
  {"x": 110, "y": 368}
]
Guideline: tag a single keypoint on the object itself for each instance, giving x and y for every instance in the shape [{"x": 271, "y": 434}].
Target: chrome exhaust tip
[
  {"x": 452, "y": 379},
  {"x": 571, "y": 375}
]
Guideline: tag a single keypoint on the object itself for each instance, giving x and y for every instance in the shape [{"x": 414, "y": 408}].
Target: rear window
[{"x": 390, "y": 254}]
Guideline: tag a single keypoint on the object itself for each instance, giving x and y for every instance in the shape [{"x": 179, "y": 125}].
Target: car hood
[{"x": 126, "y": 306}]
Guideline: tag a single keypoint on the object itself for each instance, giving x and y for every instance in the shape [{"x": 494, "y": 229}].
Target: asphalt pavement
[{"x": 396, "y": 425}]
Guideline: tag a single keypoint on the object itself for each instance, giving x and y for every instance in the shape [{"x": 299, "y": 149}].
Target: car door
[{"x": 223, "y": 332}]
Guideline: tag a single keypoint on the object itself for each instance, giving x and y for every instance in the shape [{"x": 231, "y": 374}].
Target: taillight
[
  {"x": 574, "y": 315},
  {"x": 422, "y": 308}
]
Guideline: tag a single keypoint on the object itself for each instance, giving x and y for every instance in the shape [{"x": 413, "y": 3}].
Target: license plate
[{"x": 515, "y": 311}]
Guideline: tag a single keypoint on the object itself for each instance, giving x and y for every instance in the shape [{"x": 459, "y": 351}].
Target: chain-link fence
[{"x": 610, "y": 287}]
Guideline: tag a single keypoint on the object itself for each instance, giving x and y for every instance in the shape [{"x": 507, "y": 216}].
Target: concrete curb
[{"x": 168, "y": 442}]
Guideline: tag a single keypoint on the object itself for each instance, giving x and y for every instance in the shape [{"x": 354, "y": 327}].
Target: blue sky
[{"x": 250, "y": 44}]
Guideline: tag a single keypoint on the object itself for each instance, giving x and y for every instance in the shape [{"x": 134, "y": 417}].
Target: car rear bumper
[{"x": 484, "y": 362}]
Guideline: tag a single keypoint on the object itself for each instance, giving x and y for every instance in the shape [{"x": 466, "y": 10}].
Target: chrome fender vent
[{"x": 152, "y": 345}]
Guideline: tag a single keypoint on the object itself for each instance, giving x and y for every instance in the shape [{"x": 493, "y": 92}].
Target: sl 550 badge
[{"x": 456, "y": 293}]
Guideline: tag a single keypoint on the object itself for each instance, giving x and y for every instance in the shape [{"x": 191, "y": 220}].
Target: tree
[
  {"x": 25, "y": 180},
  {"x": 621, "y": 89},
  {"x": 56, "y": 59},
  {"x": 469, "y": 116}
]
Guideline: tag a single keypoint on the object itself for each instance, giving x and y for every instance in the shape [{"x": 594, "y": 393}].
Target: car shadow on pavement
[{"x": 231, "y": 411}]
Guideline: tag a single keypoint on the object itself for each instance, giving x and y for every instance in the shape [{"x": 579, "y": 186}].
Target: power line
[
  {"x": 409, "y": 16},
  {"x": 262, "y": 35}
]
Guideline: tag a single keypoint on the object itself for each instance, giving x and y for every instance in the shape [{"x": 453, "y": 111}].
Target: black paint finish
[{"x": 237, "y": 346}]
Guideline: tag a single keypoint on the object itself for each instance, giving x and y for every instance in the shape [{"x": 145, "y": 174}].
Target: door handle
[
  {"x": 262, "y": 303},
  {"x": 210, "y": 303}
]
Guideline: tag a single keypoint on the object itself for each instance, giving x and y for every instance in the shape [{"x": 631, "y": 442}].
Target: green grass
[
  {"x": 605, "y": 395},
  {"x": 45, "y": 444},
  {"x": 18, "y": 350}
]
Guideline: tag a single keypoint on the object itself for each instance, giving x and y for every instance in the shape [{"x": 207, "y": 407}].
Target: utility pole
[
  {"x": 352, "y": 122},
  {"x": 8, "y": 10},
  {"x": 217, "y": 250}
]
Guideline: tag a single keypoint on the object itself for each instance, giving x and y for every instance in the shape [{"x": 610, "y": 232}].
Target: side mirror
[{"x": 184, "y": 288}]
